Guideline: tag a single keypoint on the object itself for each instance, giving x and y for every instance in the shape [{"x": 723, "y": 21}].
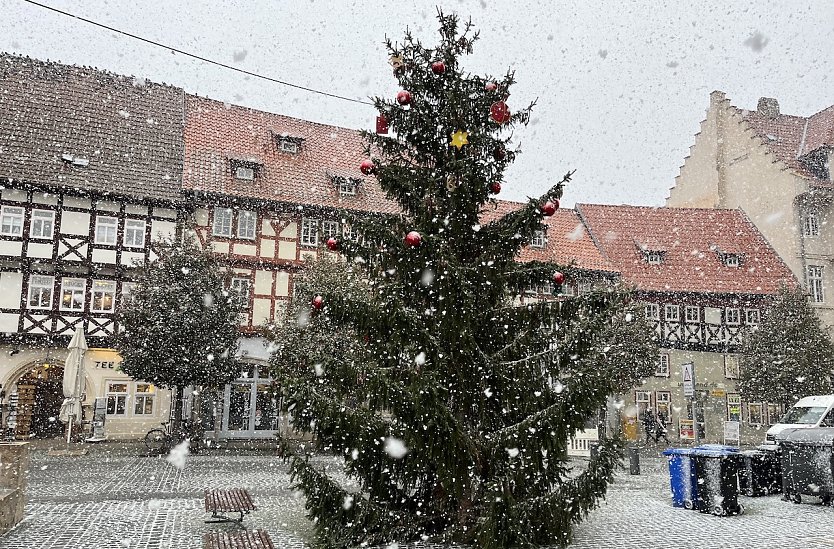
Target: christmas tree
[
  {"x": 453, "y": 412},
  {"x": 789, "y": 356}
]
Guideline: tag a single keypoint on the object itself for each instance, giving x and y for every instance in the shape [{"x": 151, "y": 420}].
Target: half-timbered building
[
  {"x": 706, "y": 277},
  {"x": 90, "y": 169}
]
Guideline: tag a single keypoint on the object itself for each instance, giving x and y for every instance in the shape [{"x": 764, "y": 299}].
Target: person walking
[
  {"x": 660, "y": 427},
  {"x": 649, "y": 424}
]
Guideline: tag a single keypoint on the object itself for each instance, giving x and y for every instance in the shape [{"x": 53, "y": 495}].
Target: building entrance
[
  {"x": 34, "y": 407},
  {"x": 249, "y": 407}
]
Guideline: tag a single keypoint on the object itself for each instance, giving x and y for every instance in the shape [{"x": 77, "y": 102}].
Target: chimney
[{"x": 768, "y": 107}]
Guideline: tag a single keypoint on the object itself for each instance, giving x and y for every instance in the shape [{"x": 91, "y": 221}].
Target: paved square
[{"x": 111, "y": 498}]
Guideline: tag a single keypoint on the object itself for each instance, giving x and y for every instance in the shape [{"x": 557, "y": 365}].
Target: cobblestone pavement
[{"x": 114, "y": 499}]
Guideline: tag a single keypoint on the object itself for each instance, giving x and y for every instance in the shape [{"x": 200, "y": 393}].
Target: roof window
[
  {"x": 288, "y": 143},
  {"x": 245, "y": 169},
  {"x": 653, "y": 252},
  {"x": 347, "y": 186},
  {"x": 78, "y": 161}
]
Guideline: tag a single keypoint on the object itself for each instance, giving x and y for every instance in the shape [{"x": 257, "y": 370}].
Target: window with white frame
[
  {"x": 652, "y": 311},
  {"x": 72, "y": 294},
  {"x": 754, "y": 413},
  {"x": 733, "y": 407},
  {"x": 662, "y": 368},
  {"x": 347, "y": 186},
  {"x": 289, "y": 146},
  {"x": 143, "y": 399},
  {"x": 693, "y": 314},
  {"x": 222, "y": 225},
  {"x": 643, "y": 400},
  {"x": 654, "y": 258},
  {"x": 664, "y": 406},
  {"x": 240, "y": 290},
  {"x": 811, "y": 225},
  {"x": 774, "y": 412},
  {"x": 40, "y": 291},
  {"x": 815, "y": 283},
  {"x": 751, "y": 317},
  {"x": 329, "y": 229},
  {"x": 732, "y": 316},
  {"x": 731, "y": 367},
  {"x": 309, "y": 232},
  {"x": 128, "y": 291},
  {"x": 246, "y": 222},
  {"x": 106, "y": 230},
  {"x": 731, "y": 260},
  {"x": 539, "y": 239},
  {"x": 116, "y": 398},
  {"x": 245, "y": 173},
  {"x": 11, "y": 221},
  {"x": 42, "y": 224},
  {"x": 134, "y": 233},
  {"x": 104, "y": 296},
  {"x": 672, "y": 313}
]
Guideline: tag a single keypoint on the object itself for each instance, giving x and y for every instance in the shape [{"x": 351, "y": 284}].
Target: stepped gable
[
  {"x": 219, "y": 136},
  {"x": 693, "y": 244},
  {"x": 80, "y": 128}
]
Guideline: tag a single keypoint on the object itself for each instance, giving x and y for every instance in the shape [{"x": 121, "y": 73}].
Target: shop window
[
  {"x": 11, "y": 221},
  {"x": 72, "y": 294},
  {"x": 664, "y": 406},
  {"x": 222, "y": 225},
  {"x": 42, "y": 224},
  {"x": 134, "y": 233},
  {"x": 116, "y": 398},
  {"x": 40, "y": 292},
  {"x": 309, "y": 232},
  {"x": 733, "y": 407},
  {"x": 144, "y": 399},
  {"x": 754, "y": 413},
  {"x": 104, "y": 296},
  {"x": 662, "y": 369},
  {"x": 731, "y": 367},
  {"x": 106, "y": 230}
]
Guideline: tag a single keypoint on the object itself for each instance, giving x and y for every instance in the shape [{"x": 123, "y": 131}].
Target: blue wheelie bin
[{"x": 682, "y": 477}]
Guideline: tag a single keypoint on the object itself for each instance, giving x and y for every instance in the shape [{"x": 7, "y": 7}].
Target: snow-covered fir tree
[
  {"x": 789, "y": 356},
  {"x": 453, "y": 405}
]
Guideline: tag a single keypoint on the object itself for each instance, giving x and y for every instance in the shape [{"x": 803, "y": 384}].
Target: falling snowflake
[
  {"x": 176, "y": 457},
  {"x": 395, "y": 448}
]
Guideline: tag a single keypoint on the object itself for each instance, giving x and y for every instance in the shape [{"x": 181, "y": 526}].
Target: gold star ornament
[{"x": 460, "y": 138}]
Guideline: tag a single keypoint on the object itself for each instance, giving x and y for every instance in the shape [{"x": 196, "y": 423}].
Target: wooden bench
[
  {"x": 242, "y": 539},
  {"x": 220, "y": 502}
]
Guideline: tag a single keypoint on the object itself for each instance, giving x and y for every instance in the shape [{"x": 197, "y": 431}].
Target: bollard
[
  {"x": 633, "y": 460},
  {"x": 594, "y": 450}
]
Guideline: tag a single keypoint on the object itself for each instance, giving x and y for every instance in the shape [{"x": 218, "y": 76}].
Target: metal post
[
  {"x": 634, "y": 460},
  {"x": 695, "y": 429}
]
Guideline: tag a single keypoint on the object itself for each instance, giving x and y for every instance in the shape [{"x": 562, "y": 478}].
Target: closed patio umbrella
[{"x": 74, "y": 381}]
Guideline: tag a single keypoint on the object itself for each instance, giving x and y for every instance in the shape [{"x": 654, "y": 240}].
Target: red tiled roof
[
  {"x": 216, "y": 132},
  {"x": 567, "y": 240},
  {"x": 692, "y": 238},
  {"x": 790, "y": 137}
]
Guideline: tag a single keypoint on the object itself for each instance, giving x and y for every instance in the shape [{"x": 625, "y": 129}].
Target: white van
[{"x": 812, "y": 411}]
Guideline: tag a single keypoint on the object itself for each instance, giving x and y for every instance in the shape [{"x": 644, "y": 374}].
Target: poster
[{"x": 686, "y": 429}]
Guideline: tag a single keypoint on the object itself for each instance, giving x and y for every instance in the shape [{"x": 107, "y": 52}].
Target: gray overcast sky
[{"x": 622, "y": 85}]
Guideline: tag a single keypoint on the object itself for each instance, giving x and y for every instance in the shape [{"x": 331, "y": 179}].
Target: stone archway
[{"x": 36, "y": 402}]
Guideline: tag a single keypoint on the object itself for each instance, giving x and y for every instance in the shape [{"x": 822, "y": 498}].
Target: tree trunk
[{"x": 176, "y": 409}]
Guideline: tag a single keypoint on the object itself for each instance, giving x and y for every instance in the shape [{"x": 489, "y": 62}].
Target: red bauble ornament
[
  {"x": 318, "y": 302},
  {"x": 491, "y": 87},
  {"x": 500, "y": 112},
  {"x": 500, "y": 153},
  {"x": 438, "y": 67},
  {"x": 495, "y": 187},
  {"x": 332, "y": 244},
  {"x": 381, "y": 124},
  {"x": 549, "y": 208},
  {"x": 558, "y": 278},
  {"x": 413, "y": 239},
  {"x": 404, "y": 98},
  {"x": 367, "y": 167}
]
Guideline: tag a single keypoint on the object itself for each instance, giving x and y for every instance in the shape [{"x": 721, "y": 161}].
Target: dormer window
[
  {"x": 72, "y": 160},
  {"x": 347, "y": 186},
  {"x": 245, "y": 170},
  {"x": 654, "y": 258},
  {"x": 731, "y": 260},
  {"x": 288, "y": 143}
]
